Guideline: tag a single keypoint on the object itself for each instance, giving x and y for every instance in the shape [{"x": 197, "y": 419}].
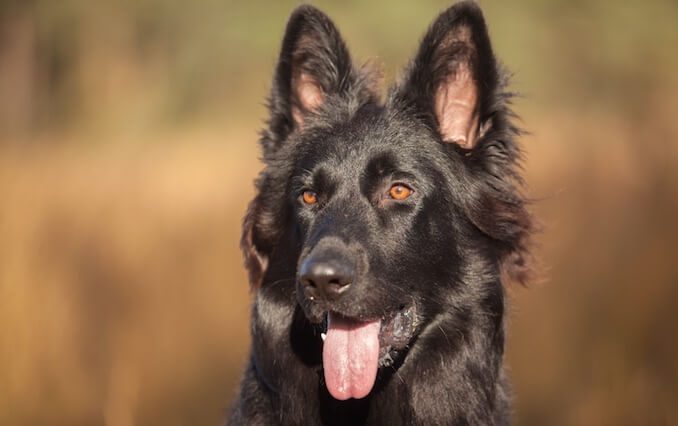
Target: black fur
[{"x": 442, "y": 255}]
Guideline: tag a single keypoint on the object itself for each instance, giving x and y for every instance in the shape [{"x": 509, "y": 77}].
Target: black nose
[{"x": 326, "y": 277}]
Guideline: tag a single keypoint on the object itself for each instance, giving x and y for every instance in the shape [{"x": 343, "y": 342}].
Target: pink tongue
[{"x": 350, "y": 356}]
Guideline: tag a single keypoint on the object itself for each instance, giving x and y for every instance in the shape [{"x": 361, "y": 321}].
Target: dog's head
[{"x": 381, "y": 214}]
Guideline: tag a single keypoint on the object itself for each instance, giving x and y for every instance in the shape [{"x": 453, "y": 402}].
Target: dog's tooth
[{"x": 323, "y": 336}]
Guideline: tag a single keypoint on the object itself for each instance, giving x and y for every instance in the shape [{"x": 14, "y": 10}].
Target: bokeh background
[{"x": 128, "y": 146}]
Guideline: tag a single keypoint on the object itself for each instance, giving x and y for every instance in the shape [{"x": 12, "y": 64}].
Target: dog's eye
[
  {"x": 309, "y": 197},
  {"x": 399, "y": 191}
]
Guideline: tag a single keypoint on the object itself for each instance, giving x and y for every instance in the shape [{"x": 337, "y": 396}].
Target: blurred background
[{"x": 128, "y": 146}]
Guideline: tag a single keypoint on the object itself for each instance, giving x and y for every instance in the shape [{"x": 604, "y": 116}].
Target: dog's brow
[
  {"x": 301, "y": 181},
  {"x": 382, "y": 163}
]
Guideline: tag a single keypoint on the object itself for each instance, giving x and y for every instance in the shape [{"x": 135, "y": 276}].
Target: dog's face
[
  {"x": 374, "y": 214},
  {"x": 368, "y": 202}
]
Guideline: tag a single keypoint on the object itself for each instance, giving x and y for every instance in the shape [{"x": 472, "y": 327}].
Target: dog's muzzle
[{"x": 327, "y": 273}]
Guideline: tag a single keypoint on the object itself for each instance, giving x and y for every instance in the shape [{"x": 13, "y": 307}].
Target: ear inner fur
[
  {"x": 456, "y": 95},
  {"x": 308, "y": 96},
  {"x": 456, "y": 108}
]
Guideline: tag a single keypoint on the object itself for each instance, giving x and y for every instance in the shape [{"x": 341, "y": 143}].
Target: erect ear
[
  {"x": 314, "y": 64},
  {"x": 453, "y": 78}
]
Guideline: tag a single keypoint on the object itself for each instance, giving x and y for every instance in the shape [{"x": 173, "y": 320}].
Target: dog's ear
[
  {"x": 453, "y": 78},
  {"x": 455, "y": 86},
  {"x": 314, "y": 69},
  {"x": 314, "y": 64}
]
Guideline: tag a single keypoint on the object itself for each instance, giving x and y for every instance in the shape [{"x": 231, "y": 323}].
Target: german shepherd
[{"x": 382, "y": 234}]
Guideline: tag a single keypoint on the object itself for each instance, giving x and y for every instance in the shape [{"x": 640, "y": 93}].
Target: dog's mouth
[{"x": 353, "y": 350}]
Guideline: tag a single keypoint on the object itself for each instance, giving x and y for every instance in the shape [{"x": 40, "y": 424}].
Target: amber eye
[
  {"x": 309, "y": 197},
  {"x": 399, "y": 192}
]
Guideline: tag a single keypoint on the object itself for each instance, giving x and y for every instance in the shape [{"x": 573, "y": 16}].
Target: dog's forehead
[{"x": 371, "y": 134}]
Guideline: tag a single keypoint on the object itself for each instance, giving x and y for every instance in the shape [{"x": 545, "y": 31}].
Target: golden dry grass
[{"x": 121, "y": 282}]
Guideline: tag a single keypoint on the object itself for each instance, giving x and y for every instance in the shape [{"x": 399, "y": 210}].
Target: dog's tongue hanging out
[{"x": 350, "y": 356}]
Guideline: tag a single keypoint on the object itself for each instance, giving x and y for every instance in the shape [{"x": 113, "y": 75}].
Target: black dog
[{"x": 381, "y": 234}]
